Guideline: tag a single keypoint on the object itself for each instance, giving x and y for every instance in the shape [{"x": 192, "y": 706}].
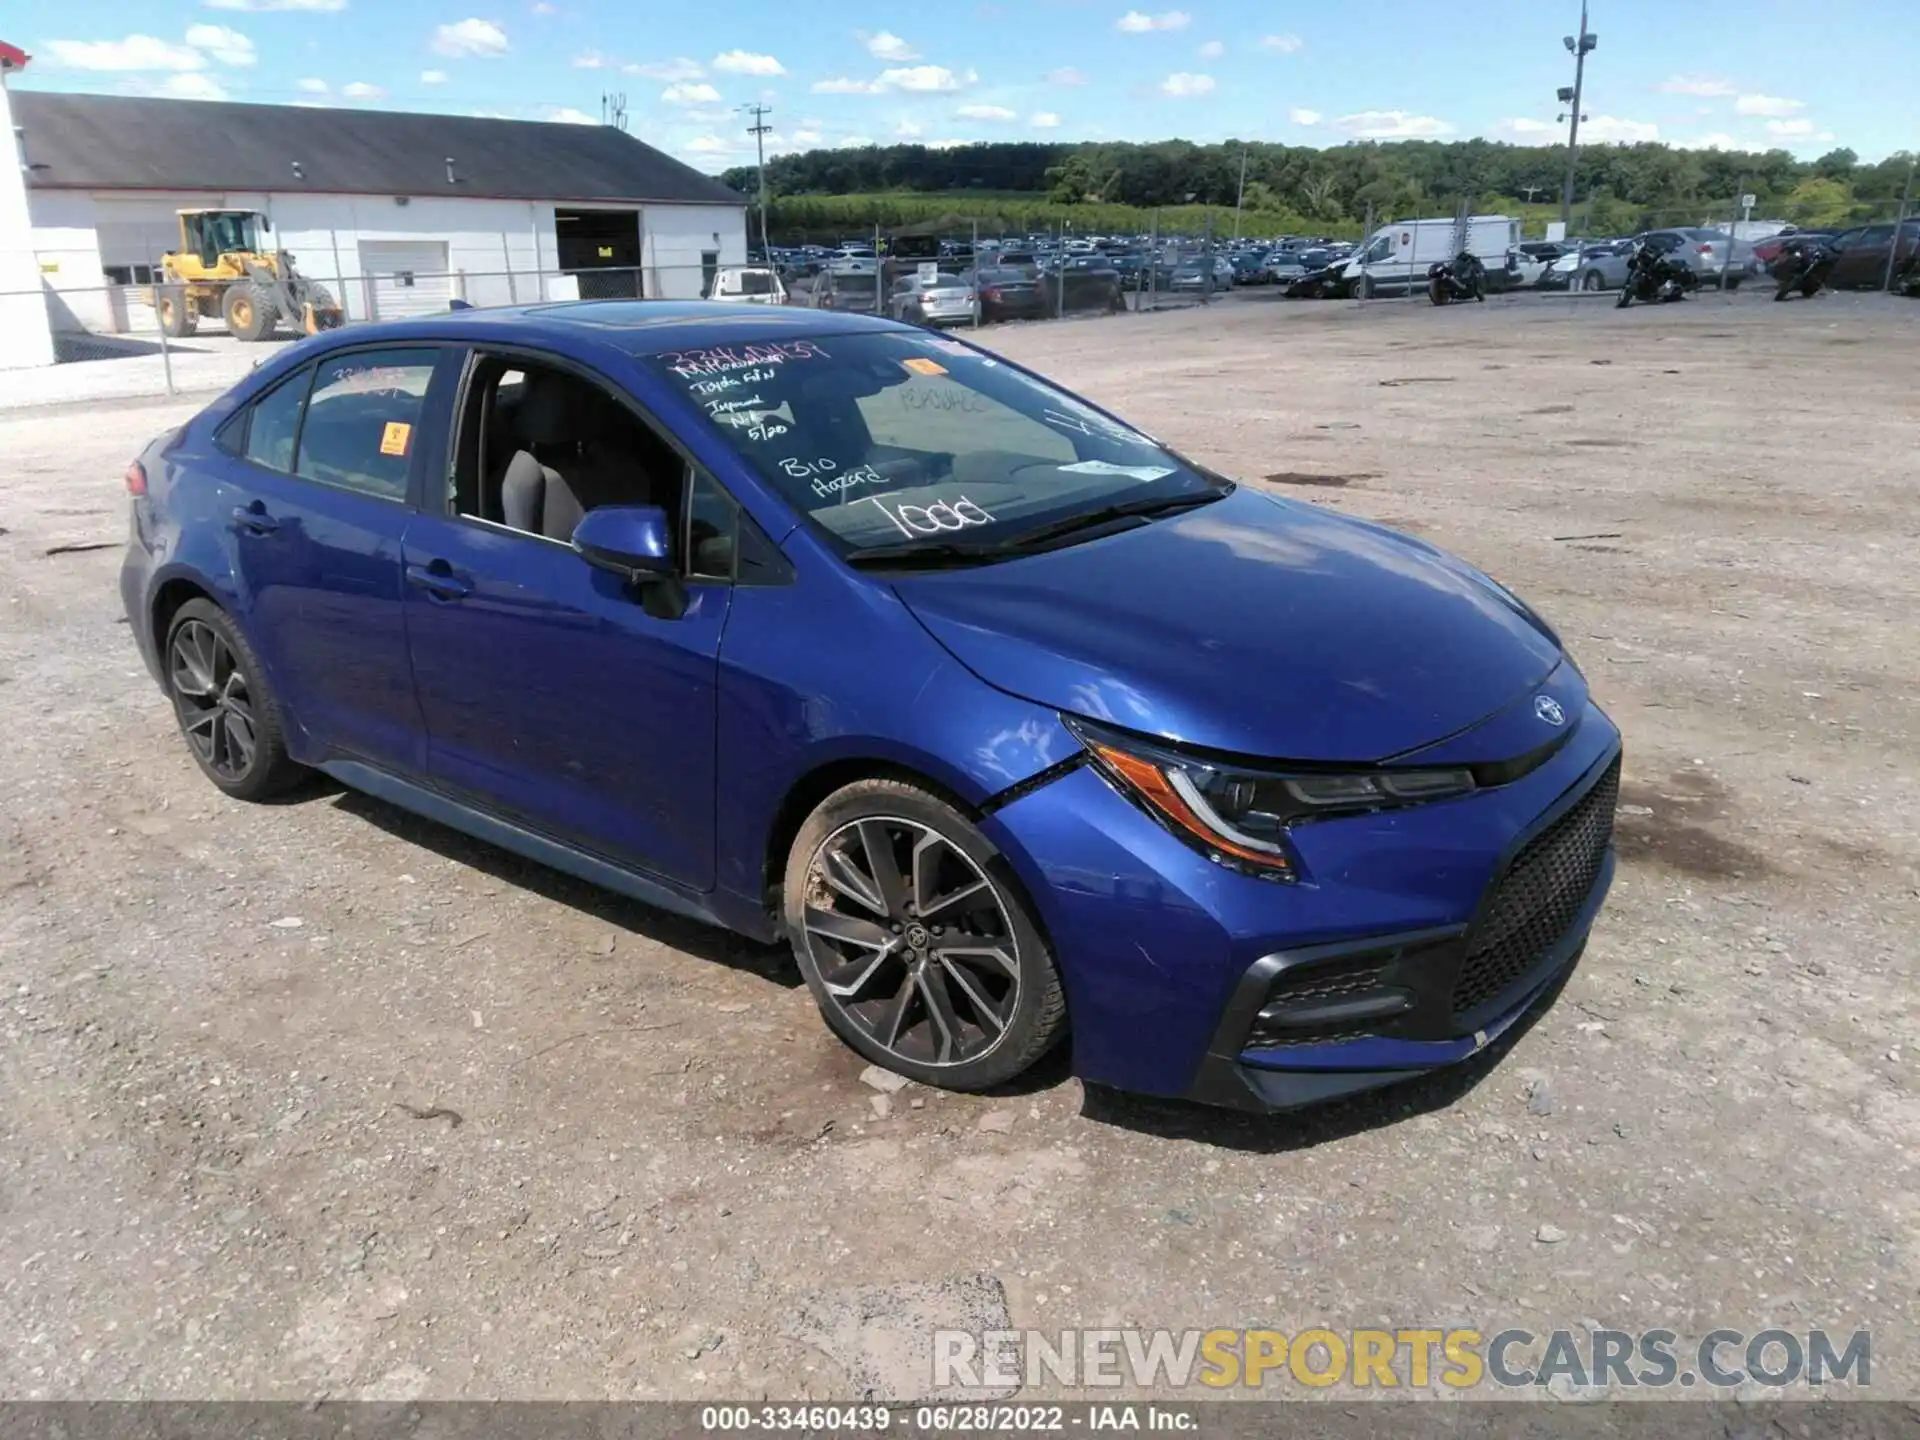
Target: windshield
[{"x": 890, "y": 438}]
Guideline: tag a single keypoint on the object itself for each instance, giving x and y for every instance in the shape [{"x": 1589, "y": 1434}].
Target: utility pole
[
  {"x": 1240, "y": 198},
  {"x": 1899, "y": 224},
  {"x": 760, "y": 130},
  {"x": 1580, "y": 46}
]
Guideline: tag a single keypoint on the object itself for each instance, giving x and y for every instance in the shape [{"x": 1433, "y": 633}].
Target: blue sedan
[{"x": 1018, "y": 726}]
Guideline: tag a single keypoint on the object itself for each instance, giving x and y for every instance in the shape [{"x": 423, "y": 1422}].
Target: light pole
[
  {"x": 1240, "y": 196},
  {"x": 1580, "y": 46}
]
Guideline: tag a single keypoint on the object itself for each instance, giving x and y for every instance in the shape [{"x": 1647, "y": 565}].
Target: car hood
[{"x": 1252, "y": 625}]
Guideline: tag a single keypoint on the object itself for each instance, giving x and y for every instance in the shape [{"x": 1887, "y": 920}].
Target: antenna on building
[{"x": 613, "y": 110}]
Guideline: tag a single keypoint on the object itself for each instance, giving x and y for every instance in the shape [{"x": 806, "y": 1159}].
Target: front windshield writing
[{"x": 891, "y": 438}]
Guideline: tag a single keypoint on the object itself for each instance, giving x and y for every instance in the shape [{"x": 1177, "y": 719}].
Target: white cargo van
[
  {"x": 1396, "y": 257},
  {"x": 748, "y": 285}
]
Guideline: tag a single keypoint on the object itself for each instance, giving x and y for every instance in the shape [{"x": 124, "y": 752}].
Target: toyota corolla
[{"x": 1020, "y": 727}]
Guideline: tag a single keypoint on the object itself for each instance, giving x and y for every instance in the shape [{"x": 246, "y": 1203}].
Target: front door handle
[
  {"x": 438, "y": 579},
  {"x": 254, "y": 519}
]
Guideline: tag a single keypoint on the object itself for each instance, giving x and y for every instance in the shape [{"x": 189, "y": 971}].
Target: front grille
[{"x": 1538, "y": 897}]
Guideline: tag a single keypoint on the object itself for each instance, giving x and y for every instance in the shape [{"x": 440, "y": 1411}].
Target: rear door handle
[
  {"x": 254, "y": 519},
  {"x": 438, "y": 580}
]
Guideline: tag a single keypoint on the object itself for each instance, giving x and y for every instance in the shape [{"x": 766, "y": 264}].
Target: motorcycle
[
  {"x": 1803, "y": 265},
  {"x": 1656, "y": 277},
  {"x": 1461, "y": 278}
]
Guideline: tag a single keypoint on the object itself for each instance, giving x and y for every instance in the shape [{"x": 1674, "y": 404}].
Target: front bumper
[{"x": 1413, "y": 939}]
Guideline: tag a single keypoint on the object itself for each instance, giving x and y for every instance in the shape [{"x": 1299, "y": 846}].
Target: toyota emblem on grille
[{"x": 1548, "y": 709}]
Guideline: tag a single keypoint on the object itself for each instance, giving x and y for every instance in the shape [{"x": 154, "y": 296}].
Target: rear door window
[{"x": 363, "y": 420}]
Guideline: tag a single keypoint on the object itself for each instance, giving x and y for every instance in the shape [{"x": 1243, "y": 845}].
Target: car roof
[{"x": 638, "y": 327}]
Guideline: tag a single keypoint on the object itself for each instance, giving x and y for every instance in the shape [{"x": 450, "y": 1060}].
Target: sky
[{"x": 1759, "y": 74}]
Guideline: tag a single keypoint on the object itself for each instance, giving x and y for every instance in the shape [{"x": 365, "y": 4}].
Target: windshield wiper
[
  {"x": 1039, "y": 535},
  {"x": 925, "y": 553}
]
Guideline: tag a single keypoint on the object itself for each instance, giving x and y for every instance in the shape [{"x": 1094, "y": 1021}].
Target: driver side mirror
[{"x": 635, "y": 542}]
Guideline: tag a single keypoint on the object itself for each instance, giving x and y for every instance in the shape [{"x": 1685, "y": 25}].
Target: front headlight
[{"x": 1240, "y": 817}]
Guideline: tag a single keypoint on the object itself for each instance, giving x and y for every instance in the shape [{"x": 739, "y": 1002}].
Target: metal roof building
[{"x": 398, "y": 213}]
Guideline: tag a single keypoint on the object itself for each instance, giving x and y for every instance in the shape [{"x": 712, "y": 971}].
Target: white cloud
[
  {"x": 1137, "y": 22},
  {"x": 590, "y": 60},
  {"x": 888, "y": 46},
  {"x": 1212, "y": 50},
  {"x": 806, "y": 137},
  {"x": 1718, "y": 140},
  {"x": 1044, "y": 120},
  {"x": 1611, "y": 130},
  {"x": 361, "y": 90},
  {"x": 470, "y": 37},
  {"x": 712, "y": 145},
  {"x": 925, "y": 79},
  {"x": 1184, "y": 85},
  {"x": 907, "y": 129},
  {"x": 567, "y": 115},
  {"x": 680, "y": 68},
  {"x": 690, "y": 93},
  {"x": 542, "y": 8},
  {"x": 325, "y": 5},
  {"x": 311, "y": 86},
  {"x": 433, "y": 77},
  {"x": 136, "y": 52},
  {"x": 1709, "y": 87},
  {"x": 1067, "y": 75},
  {"x": 1285, "y": 43},
  {"x": 229, "y": 47},
  {"x": 191, "y": 85},
  {"x": 1522, "y": 129},
  {"x": 1392, "y": 125},
  {"x": 1768, "y": 105},
  {"x": 746, "y": 62},
  {"x": 1800, "y": 127},
  {"x": 985, "y": 112},
  {"x": 841, "y": 85},
  {"x": 1301, "y": 116},
  {"x": 947, "y": 144}
]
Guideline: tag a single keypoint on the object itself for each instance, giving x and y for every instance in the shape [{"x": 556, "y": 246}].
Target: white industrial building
[{"x": 397, "y": 214}]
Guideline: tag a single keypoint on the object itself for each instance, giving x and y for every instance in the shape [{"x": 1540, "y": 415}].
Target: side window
[
  {"x": 712, "y": 530},
  {"x": 275, "y": 422},
  {"x": 363, "y": 418}
]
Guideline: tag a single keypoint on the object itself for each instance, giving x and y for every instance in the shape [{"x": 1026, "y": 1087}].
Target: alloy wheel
[
  {"x": 912, "y": 941},
  {"x": 210, "y": 693}
]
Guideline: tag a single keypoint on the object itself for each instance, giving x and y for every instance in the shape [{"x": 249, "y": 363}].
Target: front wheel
[
  {"x": 1592, "y": 282},
  {"x": 920, "y": 951},
  {"x": 1363, "y": 288},
  {"x": 227, "y": 714},
  {"x": 1437, "y": 291}
]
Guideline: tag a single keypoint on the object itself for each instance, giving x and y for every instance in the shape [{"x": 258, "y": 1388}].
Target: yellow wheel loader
[{"x": 220, "y": 269}]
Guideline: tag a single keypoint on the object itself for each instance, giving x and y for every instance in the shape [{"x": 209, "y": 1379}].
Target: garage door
[{"x": 409, "y": 277}]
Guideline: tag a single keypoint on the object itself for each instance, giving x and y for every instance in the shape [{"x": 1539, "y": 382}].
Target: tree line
[{"x": 1296, "y": 187}]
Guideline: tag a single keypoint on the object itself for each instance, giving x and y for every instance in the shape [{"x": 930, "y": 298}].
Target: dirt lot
[{"x": 666, "y": 1178}]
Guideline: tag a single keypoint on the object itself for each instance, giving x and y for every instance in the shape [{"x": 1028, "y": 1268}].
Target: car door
[
  {"x": 321, "y": 467},
  {"x": 554, "y": 692},
  {"x": 1863, "y": 260}
]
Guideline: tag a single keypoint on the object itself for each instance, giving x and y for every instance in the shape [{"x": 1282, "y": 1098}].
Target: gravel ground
[{"x": 647, "y": 1170}]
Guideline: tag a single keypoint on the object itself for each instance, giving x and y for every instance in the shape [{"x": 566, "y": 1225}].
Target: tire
[
  {"x": 249, "y": 312},
  {"x": 228, "y": 715},
  {"x": 326, "y": 310},
  {"x": 1593, "y": 282},
  {"x": 1809, "y": 288},
  {"x": 175, "y": 311},
  {"x": 1362, "y": 289},
  {"x": 1437, "y": 291},
  {"x": 883, "y": 976}
]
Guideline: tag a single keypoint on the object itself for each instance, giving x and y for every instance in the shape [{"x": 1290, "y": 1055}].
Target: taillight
[
  {"x": 992, "y": 292},
  {"x": 1706, "y": 249},
  {"x": 136, "y": 479}
]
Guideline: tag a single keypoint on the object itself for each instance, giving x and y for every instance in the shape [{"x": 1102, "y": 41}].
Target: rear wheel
[
  {"x": 175, "y": 310},
  {"x": 1363, "y": 288},
  {"x": 227, "y": 714},
  {"x": 919, "y": 949}
]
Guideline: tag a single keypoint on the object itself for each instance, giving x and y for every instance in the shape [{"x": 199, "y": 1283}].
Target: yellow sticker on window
[
  {"x": 920, "y": 365},
  {"x": 393, "y": 441}
]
